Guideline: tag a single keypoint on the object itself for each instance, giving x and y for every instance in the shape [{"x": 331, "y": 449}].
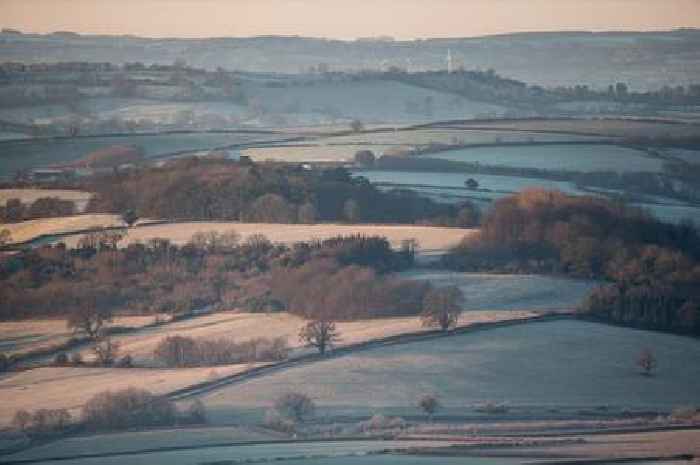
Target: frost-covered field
[
  {"x": 246, "y": 326},
  {"x": 510, "y": 292},
  {"x": 499, "y": 184},
  {"x": 595, "y": 126},
  {"x": 548, "y": 364},
  {"x": 431, "y": 239},
  {"x": 26, "y": 335},
  {"x": 370, "y": 101},
  {"x": 27, "y": 230},
  {"x": 30, "y": 154},
  {"x": 70, "y": 387},
  {"x": 80, "y": 198},
  {"x": 305, "y": 153},
  {"x": 559, "y": 157},
  {"x": 301, "y": 453}
]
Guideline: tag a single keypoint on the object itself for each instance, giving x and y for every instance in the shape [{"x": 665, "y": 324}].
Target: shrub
[
  {"x": 295, "y": 406},
  {"x": 196, "y": 413},
  {"x": 22, "y": 420},
  {"x": 106, "y": 351},
  {"x": 125, "y": 362},
  {"x": 275, "y": 420},
  {"x": 128, "y": 408},
  {"x": 429, "y": 404},
  {"x": 60, "y": 359},
  {"x": 76, "y": 358},
  {"x": 380, "y": 422}
]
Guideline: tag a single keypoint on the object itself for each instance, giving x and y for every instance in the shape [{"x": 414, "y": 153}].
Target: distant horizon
[
  {"x": 5, "y": 29},
  {"x": 404, "y": 20}
]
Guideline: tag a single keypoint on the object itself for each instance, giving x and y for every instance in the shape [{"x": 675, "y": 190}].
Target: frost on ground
[
  {"x": 80, "y": 198},
  {"x": 28, "y": 230},
  {"x": 70, "y": 388},
  {"x": 510, "y": 292},
  {"x": 429, "y": 238},
  {"x": 28, "y": 335},
  {"x": 549, "y": 365},
  {"x": 245, "y": 326}
]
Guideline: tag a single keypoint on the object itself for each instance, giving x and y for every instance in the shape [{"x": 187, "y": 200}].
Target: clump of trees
[
  {"x": 184, "y": 351},
  {"x": 42, "y": 422},
  {"x": 651, "y": 268},
  {"x": 127, "y": 408},
  {"x": 15, "y": 210}
]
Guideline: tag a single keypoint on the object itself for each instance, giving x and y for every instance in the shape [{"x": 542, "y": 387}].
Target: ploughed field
[{"x": 536, "y": 368}]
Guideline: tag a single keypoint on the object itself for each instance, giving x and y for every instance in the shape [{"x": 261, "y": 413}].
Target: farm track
[{"x": 406, "y": 338}]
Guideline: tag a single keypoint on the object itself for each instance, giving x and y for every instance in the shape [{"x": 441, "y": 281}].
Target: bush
[
  {"x": 4, "y": 362},
  {"x": 76, "y": 358},
  {"x": 380, "y": 422},
  {"x": 276, "y": 421},
  {"x": 61, "y": 359},
  {"x": 196, "y": 413},
  {"x": 128, "y": 408},
  {"x": 295, "y": 406}
]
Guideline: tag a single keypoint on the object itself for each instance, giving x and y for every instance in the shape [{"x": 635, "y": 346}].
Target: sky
[{"x": 343, "y": 19}]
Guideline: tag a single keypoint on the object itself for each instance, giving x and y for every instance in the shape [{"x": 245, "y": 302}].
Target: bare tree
[
  {"x": 90, "y": 314},
  {"x": 106, "y": 351},
  {"x": 321, "y": 334},
  {"x": 441, "y": 307},
  {"x": 647, "y": 362},
  {"x": 429, "y": 404}
]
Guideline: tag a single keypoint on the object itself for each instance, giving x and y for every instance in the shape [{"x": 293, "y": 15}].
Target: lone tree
[
  {"x": 356, "y": 125},
  {"x": 365, "y": 158},
  {"x": 93, "y": 311},
  {"x": 441, "y": 307},
  {"x": 471, "y": 184},
  {"x": 320, "y": 334},
  {"x": 129, "y": 217},
  {"x": 5, "y": 237},
  {"x": 429, "y": 404},
  {"x": 647, "y": 362},
  {"x": 295, "y": 406}
]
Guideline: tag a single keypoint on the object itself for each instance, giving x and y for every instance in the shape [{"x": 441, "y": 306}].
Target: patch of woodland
[{"x": 650, "y": 269}]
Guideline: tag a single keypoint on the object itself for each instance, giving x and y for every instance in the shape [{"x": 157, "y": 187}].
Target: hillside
[{"x": 550, "y": 59}]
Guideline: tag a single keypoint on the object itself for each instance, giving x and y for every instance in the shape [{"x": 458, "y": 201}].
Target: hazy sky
[{"x": 343, "y": 18}]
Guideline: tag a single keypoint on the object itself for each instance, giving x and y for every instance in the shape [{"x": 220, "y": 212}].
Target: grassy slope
[{"x": 540, "y": 365}]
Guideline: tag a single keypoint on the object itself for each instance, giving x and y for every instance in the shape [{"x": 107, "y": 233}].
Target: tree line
[{"x": 211, "y": 189}]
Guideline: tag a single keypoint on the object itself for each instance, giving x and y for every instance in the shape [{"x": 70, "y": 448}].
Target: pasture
[
  {"x": 536, "y": 367},
  {"x": 559, "y": 157}
]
